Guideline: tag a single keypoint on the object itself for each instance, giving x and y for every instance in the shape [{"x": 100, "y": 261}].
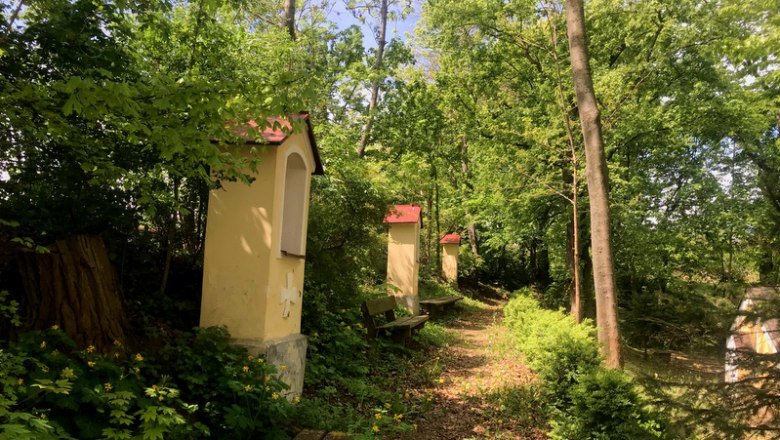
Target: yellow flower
[
  {"x": 55, "y": 327},
  {"x": 414, "y": 426},
  {"x": 45, "y": 369},
  {"x": 375, "y": 428},
  {"x": 378, "y": 416},
  {"x": 441, "y": 380},
  {"x": 387, "y": 405},
  {"x": 43, "y": 344},
  {"x": 500, "y": 421},
  {"x": 117, "y": 343},
  {"x": 398, "y": 417},
  {"x": 137, "y": 370},
  {"x": 268, "y": 388},
  {"x": 275, "y": 396},
  {"x": 116, "y": 355},
  {"x": 107, "y": 386},
  {"x": 250, "y": 358},
  {"x": 91, "y": 349},
  {"x": 297, "y": 399},
  {"x": 20, "y": 381},
  {"x": 247, "y": 388},
  {"x": 245, "y": 369},
  {"x": 282, "y": 367},
  {"x": 406, "y": 395},
  {"x": 260, "y": 360},
  {"x": 91, "y": 363},
  {"x": 138, "y": 357}
]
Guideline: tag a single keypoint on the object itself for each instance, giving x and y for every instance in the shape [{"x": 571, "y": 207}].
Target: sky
[{"x": 403, "y": 29}]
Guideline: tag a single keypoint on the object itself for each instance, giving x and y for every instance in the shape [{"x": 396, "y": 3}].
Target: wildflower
[
  {"x": 20, "y": 381},
  {"x": 43, "y": 344},
  {"x": 275, "y": 396},
  {"x": 297, "y": 399},
  {"x": 245, "y": 369},
  {"x": 107, "y": 386},
  {"x": 378, "y": 416},
  {"x": 414, "y": 426},
  {"x": 91, "y": 349},
  {"x": 116, "y": 355},
  {"x": 138, "y": 357},
  {"x": 406, "y": 395},
  {"x": 67, "y": 373},
  {"x": 247, "y": 388},
  {"x": 387, "y": 405},
  {"x": 117, "y": 343},
  {"x": 398, "y": 418},
  {"x": 441, "y": 380},
  {"x": 375, "y": 428},
  {"x": 137, "y": 370},
  {"x": 91, "y": 363},
  {"x": 268, "y": 388},
  {"x": 250, "y": 358},
  {"x": 45, "y": 369},
  {"x": 55, "y": 327},
  {"x": 282, "y": 367},
  {"x": 500, "y": 421}
]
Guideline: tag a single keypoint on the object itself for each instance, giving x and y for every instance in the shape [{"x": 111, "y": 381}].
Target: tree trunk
[
  {"x": 288, "y": 20},
  {"x": 378, "y": 62},
  {"x": 74, "y": 286},
  {"x": 464, "y": 164},
  {"x": 598, "y": 191}
]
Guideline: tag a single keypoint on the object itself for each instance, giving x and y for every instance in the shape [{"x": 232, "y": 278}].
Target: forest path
[{"x": 482, "y": 390}]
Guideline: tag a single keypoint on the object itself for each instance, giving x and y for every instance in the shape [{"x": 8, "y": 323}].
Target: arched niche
[{"x": 296, "y": 177}]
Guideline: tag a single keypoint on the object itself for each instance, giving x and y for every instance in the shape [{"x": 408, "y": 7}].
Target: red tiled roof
[
  {"x": 403, "y": 214},
  {"x": 450, "y": 239},
  {"x": 277, "y": 131}
]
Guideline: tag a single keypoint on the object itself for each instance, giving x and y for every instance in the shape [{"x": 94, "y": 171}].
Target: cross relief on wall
[{"x": 288, "y": 296}]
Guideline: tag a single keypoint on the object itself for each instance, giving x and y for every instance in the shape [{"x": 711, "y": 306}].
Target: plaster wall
[
  {"x": 245, "y": 271},
  {"x": 237, "y": 252},
  {"x": 449, "y": 262},
  {"x": 403, "y": 265}
]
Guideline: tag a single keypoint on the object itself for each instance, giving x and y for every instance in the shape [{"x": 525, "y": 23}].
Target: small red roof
[
  {"x": 277, "y": 130},
  {"x": 403, "y": 214},
  {"x": 450, "y": 239}
]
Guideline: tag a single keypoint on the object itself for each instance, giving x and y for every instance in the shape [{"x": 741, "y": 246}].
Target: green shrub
[
  {"x": 198, "y": 386},
  {"x": 557, "y": 349},
  {"x": 606, "y": 406},
  {"x": 585, "y": 400}
]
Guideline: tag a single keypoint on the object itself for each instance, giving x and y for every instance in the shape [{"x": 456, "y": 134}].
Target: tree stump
[{"x": 75, "y": 286}]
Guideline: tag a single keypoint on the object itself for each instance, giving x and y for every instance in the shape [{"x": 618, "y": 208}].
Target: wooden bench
[
  {"x": 399, "y": 329},
  {"x": 434, "y": 306}
]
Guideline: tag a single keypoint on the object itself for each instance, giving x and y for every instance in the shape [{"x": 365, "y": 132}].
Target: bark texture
[
  {"x": 75, "y": 286},
  {"x": 598, "y": 185},
  {"x": 288, "y": 20}
]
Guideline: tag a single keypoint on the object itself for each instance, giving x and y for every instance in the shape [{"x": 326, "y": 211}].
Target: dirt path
[{"x": 482, "y": 391}]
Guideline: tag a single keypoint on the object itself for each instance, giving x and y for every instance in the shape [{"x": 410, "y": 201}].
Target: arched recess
[{"x": 294, "y": 205}]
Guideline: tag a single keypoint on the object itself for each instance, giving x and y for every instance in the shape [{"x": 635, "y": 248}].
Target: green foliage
[
  {"x": 51, "y": 389},
  {"x": 586, "y": 401},
  {"x": 605, "y": 406}
]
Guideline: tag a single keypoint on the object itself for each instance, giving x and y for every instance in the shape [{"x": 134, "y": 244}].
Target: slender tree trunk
[
  {"x": 378, "y": 63},
  {"x": 437, "y": 243},
  {"x": 464, "y": 164},
  {"x": 170, "y": 237},
  {"x": 598, "y": 191},
  {"x": 576, "y": 293},
  {"x": 288, "y": 20},
  {"x": 75, "y": 287}
]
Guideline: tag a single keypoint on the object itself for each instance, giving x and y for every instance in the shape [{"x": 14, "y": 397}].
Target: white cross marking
[{"x": 288, "y": 296}]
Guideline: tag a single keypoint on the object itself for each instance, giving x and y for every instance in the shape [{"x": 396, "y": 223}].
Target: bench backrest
[{"x": 373, "y": 307}]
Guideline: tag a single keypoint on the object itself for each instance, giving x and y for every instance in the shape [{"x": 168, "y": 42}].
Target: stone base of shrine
[{"x": 289, "y": 356}]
